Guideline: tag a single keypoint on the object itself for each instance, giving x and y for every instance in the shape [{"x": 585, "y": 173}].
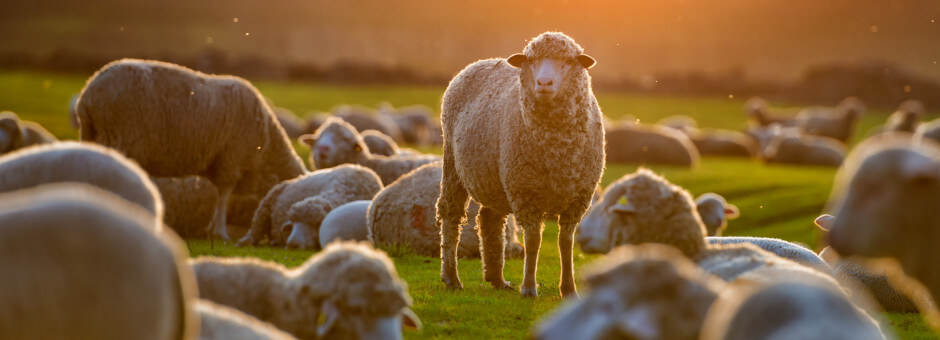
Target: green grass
[{"x": 775, "y": 201}]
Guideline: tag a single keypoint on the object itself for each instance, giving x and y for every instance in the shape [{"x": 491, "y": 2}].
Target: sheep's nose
[{"x": 545, "y": 81}]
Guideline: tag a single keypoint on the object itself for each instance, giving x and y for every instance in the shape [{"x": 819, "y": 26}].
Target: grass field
[{"x": 775, "y": 201}]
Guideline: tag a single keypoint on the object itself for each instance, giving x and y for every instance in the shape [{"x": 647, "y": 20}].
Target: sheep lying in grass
[
  {"x": 644, "y": 207},
  {"x": 837, "y": 123},
  {"x": 336, "y": 142},
  {"x": 351, "y": 287},
  {"x": 84, "y": 163},
  {"x": 80, "y": 262},
  {"x": 789, "y": 309},
  {"x": 16, "y": 134},
  {"x": 379, "y": 144},
  {"x": 522, "y": 136},
  {"x": 218, "y": 322},
  {"x": 715, "y": 212},
  {"x": 363, "y": 118},
  {"x": 712, "y": 141},
  {"x": 648, "y": 291},
  {"x": 404, "y": 214},
  {"x": 792, "y": 147},
  {"x": 760, "y": 113},
  {"x": 650, "y": 144},
  {"x": 293, "y": 210},
  {"x": 345, "y": 222},
  {"x": 178, "y": 122},
  {"x": 884, "y": 202}
]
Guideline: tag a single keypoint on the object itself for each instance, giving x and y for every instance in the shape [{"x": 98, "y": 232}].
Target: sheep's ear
[
  {"x": 410, "y": 319},
  {"x": 329, "y": 314},
  {"x": 731, "y": 211},
  {"x": 623, "y": 207},
  {"x": 586, "y": 61},
  {"x": 824, "y": 221},
  {"x": 308, "y": 139},
  {"x": 517, "y": 59}
]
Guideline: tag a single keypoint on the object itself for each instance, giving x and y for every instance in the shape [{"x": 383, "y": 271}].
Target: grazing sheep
[
  {"x": 16, "y": 134},
  {"x": 414, "y": 122},
  {"x": 525, "y": 136},
  {"x": 80, "y": 262},
  {"x": 884, "y": 200},
  {"x": 906, "y": 118},
  {"x": 337, "y": 142},
  {"x": 178, "y": 122},
  {"x": 379, "y": 144},
  {"x": 715, "y": 212},
  {"x": 404, "y": 214},
  {"x": 80, "y": 162},
  {"x": 649, "y": 291},
  {"x": 189, "y": 203},
  {"x": 363, "y": 118},
  {"x": 760, "y": 113},
  {"x": 218, "y": 322},
  {"x": 791, "y": 147},
  {"x": 787, "y": 309},
  {"x": 650, "y": 144},
  {"x": 351, "y": 287},
  {"x": 293, "y": 210},
  {"x": 928, "y": 131},
  {"x": 345, "y": 222},
  {"x": 837, "y": 123},
  {"x": 644, "y": 207}
]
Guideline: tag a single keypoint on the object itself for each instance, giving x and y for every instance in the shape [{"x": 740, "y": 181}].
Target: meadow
[{"x": 775, "y": 201}]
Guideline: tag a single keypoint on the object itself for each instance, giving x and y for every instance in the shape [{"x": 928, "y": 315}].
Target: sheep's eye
[{"x": 357, "y": 148}]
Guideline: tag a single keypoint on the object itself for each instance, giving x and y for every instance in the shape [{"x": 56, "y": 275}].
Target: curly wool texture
[
  {"x": 650, "y": 144},
  {"x": 782, "y": 248},
  {"x": 307, "y": 199},
  {"x": 178, "y": 122},
  {"x": 360, "y": 281},
  {"x": 218, "y": 322},
  {"x": 17, "y": 134},
  {"x": 404, "y": 214},
  {"x": 84, "y": 163},
  {"x": 873, "y": 280},
  {"x": 80, "y": 262}
]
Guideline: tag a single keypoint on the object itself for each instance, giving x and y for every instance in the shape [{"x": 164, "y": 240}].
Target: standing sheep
[
  {"x": 293, "y": 210},
  {"x": 218, "y": 322},
  {"x": 16, "y": 134},
  {"x": 884, "y": 200},
  {"x": 351, "y": 287},
  {"x": 177, "y": 122},
  {"x": 715, "y": 212},
  {"x": 345, "y": 222},
  {"x": 404, "y": 214},
  {"x": 336, "y": 142},
  {"x": 650, "y": 144},
  {"x": 525, "y": 136},
  {"x": 906, "y": 118},
  {"x": 84, "y": 163},
  {"x": 79, "y": 262},
  {"x": 837, "y": 123},
  {"x": 792, "y": 147}
]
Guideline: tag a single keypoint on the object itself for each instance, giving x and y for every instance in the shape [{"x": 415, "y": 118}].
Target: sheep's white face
[
  {"x": 302, "y": 236},
  {"x": 545, "y": 77},
  {"x": 334, "y": 146}
]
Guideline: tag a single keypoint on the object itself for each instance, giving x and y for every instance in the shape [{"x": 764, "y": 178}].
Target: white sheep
[
  {"x": 177, "y": 122},
  {"x": 348, "y": 290},
  {"x": 837, "y": 123},
  {"x": 80, "y": 262},
  {"x": 883, "y": 201},
  {"x": 379, "y": 144},
  {"x": 16, "y": 134},
  {"x": 293, "y": 210},
  {"x": 219, "y": 322},
  {"x": 650, "y": 144},
  {"x": 337, "y": 142},
  {"x": 80, "y": 162},
  {"x": 719, "y": 142},
  {"x": 522, "y": 136},
  {"x": 345, "y": 222},
  {"x": 715, "y": 212},
  {"x": 761, "y": 114},
  {"x": 405, "y": 214},
  {"x": 793, "y": 147},
  {"x": 648, "y": 291}
]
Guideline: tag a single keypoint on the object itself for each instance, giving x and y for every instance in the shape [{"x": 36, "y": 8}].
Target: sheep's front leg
[
  {"x": 532, "y": 224},
  {"x": 218, "y": 227}
]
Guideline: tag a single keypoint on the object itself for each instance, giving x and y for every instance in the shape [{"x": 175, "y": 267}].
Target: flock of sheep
[{"x": 88, "y": 230}]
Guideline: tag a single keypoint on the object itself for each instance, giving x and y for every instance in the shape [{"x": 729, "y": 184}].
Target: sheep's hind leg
[
  {"x": 451, "y": 213},
  {"x": 218, "y": 228},
  {"x": 492, "y": 246},
  {"x": 532, "y": 224}
]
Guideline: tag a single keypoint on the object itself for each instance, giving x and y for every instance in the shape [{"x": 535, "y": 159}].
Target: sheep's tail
[{"x": 261, "y": 222}]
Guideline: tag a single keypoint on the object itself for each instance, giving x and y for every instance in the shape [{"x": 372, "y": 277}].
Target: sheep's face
[
  {"x": 545, "y": 78},
  {"x": 715, "y": 213},
  {"x": 888, "y": 203},
  {"x": 301, "y": 236},
  {"x": 334, "y": 144}
]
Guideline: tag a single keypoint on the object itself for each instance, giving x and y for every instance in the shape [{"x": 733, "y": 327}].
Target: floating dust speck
[
  {"x": 907, "y": 89},
  {"x": 46, "y": 84},
  {"x": 730, "y": 96},
  {"x": 246, "y": 33},
  {"x": 121, "y": 29},
  {"x": 209, "y": 40},
  {"x": 192, "y": 93},
  {"x": 235, "y": 20},
  {"x": 873, "y": 28}
]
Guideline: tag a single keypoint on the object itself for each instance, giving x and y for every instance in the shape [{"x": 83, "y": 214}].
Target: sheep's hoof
[
  {"x": 506, "y": 285},
  {"x": 452, "y": 283},
  {"x": 532, "y": 292},
  {"x": 570, "y": 295}
]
